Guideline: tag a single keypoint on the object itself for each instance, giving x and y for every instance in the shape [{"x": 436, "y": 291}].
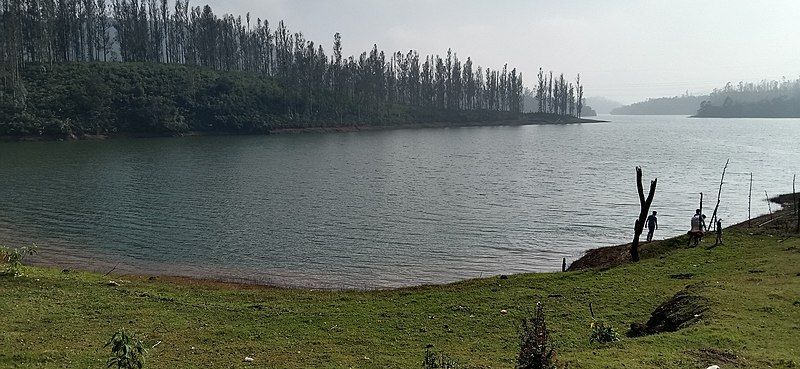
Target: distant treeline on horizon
[
  {"x": 766, "y": 99},
  {"x": 294, "y": 83}
]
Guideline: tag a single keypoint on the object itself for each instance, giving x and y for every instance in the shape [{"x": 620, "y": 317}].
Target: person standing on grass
[
  {"x": 698, "y": 228},
  {"x": 652, "y": 225},
  {"x": 719, "y": 232}
]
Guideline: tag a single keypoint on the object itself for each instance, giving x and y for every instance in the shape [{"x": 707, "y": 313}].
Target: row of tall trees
[
  {"x": 555, "y": 95},
  {"x": 58, "y": 31}
]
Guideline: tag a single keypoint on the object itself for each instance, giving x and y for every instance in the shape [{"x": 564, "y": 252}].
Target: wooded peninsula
[
  {"x": 766, "y": 99},
  {"x": 73, "y": 68}
]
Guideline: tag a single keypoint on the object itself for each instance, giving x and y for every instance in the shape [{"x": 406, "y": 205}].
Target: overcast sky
[{"x": 624, "y": 50}]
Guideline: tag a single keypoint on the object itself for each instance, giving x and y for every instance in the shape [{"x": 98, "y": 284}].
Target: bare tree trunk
[
  {"x": 719, "y": 194},
  {"x": 645, "y": 208}
]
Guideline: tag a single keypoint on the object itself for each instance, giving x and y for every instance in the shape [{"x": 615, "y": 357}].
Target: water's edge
[
  {"x": 109, "y": 269},
  {"x": 332, "y": 129}
]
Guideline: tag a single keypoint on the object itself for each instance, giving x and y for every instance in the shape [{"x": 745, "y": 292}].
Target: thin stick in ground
[
  {"x": 749, "y": 200},
  {"x": 796, "y": 204},
  {"x": 719, "y": 194},
  {"x": 769, "y": 206},
  {"x": 701, "y": 212}
]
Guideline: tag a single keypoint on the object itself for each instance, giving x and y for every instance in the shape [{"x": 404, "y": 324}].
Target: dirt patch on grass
[
  {"x": 611, "y": 256},
  {"x": 712, "y": 356},
  {"x": 603, "y": 257},
  {"x": 682, "y": 310}
]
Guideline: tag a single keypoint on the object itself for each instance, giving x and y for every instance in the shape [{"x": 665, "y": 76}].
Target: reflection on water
[{"x": 378, "y": 209}]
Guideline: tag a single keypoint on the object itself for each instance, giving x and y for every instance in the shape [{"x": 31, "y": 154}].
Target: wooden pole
[
  {"x": 564, "y": 264},
  {"x": 701, "y": 202},
  {"x": 645, "y": 207},
  {"x": 702, "y": 221},
  {"x": 749, "y": 200},
  {"x": 796, "y": 204},
  {"x": 719, "y": 194},
  {"x": 769, "y": 206}
]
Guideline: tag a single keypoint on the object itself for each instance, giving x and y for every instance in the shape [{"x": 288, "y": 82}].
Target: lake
[{"x": 379, "y": 209}]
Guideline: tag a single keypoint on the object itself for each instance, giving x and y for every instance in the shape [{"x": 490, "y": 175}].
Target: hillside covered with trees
[
  {"x": 676, "y": 105},
  {"x": 766, "y": 99},
  {"x": 602, "y": 105},
  {"x": 71, "y": 67}
]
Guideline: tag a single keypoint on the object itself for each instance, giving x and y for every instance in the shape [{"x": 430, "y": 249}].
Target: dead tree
[
  {"x": 645, "y": 208},
  {"x": 719, "y": 194}
]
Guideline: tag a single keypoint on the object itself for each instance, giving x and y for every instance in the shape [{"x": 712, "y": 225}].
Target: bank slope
[{"x": 752, "y": 284}]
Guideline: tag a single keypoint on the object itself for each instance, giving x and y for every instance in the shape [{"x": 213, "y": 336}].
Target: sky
[{"x": 624, "y": 50}]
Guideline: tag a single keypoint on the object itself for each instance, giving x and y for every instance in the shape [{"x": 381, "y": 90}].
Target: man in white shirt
[{"x": 697, "y": 228}]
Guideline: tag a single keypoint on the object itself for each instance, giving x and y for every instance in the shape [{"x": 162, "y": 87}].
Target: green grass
[{"x": 52, "y": 319}]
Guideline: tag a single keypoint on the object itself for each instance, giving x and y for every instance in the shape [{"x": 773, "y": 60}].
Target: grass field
[{"x": 54, "y": 319}]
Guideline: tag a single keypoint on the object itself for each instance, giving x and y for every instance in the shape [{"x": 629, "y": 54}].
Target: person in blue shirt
[{"x": 652, "y": 225}]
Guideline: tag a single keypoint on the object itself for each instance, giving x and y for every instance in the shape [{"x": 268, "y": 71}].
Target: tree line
[
  {"x": 557, "y": 96},
  {"x": 47, "y": 32},
  {"x": 685, "y": 104},
  {"x": 765, "y": 99}
]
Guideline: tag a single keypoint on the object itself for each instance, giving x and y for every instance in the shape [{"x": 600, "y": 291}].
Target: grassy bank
[{"x": 752, "y": 283}]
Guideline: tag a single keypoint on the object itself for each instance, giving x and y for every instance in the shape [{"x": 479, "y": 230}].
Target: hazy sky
[{"x": 624, "y": 50}]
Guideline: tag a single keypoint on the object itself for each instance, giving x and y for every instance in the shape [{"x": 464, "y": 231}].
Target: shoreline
[
  {"x": 606, "y": 257},
  {"x": 722, "y": 298},
  {"x": 501, "y": 123},
  {"x": 331, "y": 129},
  {"x": 603, "y": 257}
]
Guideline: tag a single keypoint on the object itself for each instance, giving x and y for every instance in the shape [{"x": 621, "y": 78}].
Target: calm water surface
[{"x": 379, "y": 209}]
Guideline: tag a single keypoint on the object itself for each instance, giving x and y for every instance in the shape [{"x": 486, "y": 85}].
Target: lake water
[{"x": 383, "y": 208}]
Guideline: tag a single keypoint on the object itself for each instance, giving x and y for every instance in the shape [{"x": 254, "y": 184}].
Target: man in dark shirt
[{"x": 652, "y": 225}]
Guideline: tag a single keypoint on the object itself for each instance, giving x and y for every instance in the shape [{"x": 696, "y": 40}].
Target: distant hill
[
  {"x": 602, "y": 105},
  {"x": 588, "y": 112},
  {"x": 766, "y": 99},
  {"x": 676, "y": 105}
]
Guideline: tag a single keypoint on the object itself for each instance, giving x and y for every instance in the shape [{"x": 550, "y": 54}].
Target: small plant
[
  {"x": 536, "y": 351},
  {"x": 127, "y": 351},
  {"x": 434, "y": 361},
  {"x": 602, "y": 333},
  {"x": 14, "y": 257}
]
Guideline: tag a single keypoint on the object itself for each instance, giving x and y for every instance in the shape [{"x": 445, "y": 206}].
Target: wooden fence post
[{"x": 749, "y": 200}]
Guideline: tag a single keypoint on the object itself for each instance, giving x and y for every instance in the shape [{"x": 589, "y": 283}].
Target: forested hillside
[
  {"x": 148, "y": 98},
  {"x": 676, "y": 105},
  {"x": 602, "y": 105},
  {"x": 79, "y": 67},
  {"x": 767, "y": 99}
]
